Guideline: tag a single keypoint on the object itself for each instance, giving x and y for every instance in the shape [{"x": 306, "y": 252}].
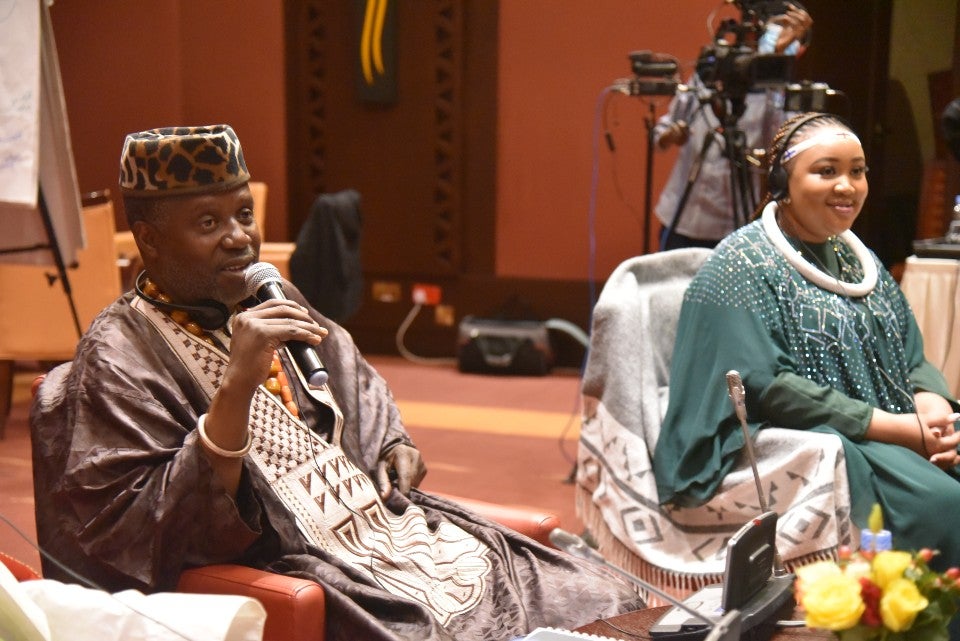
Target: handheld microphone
[
  {"x": 265, "y": 283},
  {"x": 738, "y": 398}
]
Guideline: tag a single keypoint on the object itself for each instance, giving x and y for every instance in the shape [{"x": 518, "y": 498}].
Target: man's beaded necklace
[{"x": 276, "y": 383}]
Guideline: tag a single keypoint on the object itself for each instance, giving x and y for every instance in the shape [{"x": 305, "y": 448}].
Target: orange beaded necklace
[
  {"x": 178, "y": 316},
  {"x": 276, "y": 383}
]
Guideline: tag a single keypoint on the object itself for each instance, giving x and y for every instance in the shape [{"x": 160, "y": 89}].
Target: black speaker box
[{"x": 494, "y": 346}]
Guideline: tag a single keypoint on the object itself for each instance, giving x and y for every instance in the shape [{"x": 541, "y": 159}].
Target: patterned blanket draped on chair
[{"x": 625, "y": 393}]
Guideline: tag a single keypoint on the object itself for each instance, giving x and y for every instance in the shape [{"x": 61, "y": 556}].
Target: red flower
[{"x": 870, "y": 593}]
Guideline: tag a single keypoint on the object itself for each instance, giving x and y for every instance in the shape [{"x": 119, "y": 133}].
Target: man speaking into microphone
[{"x": 187, "y": 431}]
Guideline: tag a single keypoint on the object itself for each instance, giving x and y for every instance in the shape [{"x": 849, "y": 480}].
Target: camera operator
[{"x": 707, "y": 213}]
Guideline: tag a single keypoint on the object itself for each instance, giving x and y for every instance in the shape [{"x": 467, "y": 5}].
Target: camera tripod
[{"x": 733, "y": 140}]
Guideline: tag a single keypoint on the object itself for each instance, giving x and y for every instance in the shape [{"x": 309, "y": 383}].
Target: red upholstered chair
[
  {"x": 20, "y": 571},
  {"x": 530, "y": 521},
  {"x": 295, "y": 607}
]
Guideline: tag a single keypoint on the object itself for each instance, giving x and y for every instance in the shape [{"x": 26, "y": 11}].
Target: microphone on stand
[
  {"x": 755, "y": 584},
  {"x": 738, "y": 398},
  {"x": 264, "y": 282},
  {"x": 726, "y": 628}
]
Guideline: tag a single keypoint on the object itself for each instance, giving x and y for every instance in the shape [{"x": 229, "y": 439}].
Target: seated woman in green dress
[{"x": 824, "y": 341}]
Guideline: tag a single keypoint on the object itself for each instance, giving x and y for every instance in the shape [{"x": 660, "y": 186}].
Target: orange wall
[
  {"x": 128, "y": 66},
  {"x": 556, "y": 57},
  {"x": 133, "y": 65}
]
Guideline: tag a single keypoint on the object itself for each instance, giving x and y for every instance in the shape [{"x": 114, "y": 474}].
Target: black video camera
[
  {"x": 733, "y": 70},
  {"x": 732, "y": 66}
]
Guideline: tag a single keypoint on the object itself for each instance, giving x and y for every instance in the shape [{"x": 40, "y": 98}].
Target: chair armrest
[
  {"x": 20, "y": 570},
  {"x": 295, "y": 607},
  {"x": 533, "y": 522}
]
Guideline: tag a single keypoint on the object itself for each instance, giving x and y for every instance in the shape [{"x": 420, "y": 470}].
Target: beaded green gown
[{"x": 810, "y": 359}]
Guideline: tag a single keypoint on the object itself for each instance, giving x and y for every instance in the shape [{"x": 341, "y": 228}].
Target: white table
[{"x": 930, "y": 285}]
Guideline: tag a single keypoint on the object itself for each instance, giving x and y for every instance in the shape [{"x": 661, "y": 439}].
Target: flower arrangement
[{"x": 885, "y": 595}]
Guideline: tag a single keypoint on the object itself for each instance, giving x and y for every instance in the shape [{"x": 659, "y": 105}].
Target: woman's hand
[
  {"x": 935, "y": 412},
  {"x": 929, "y": 434},
  {"x": 930, "y": 403}
]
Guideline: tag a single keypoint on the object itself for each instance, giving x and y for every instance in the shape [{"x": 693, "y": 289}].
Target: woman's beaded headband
[{"x": 816, "y": 139}]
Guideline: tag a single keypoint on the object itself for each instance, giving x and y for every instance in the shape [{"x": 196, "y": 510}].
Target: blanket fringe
[{"x": 672, "y": 581}]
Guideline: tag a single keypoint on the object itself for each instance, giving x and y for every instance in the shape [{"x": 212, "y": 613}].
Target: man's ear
[{"x": 147, "y": 237}]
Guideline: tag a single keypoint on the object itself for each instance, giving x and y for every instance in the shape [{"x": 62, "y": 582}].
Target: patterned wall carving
[
  {"x": 314, "y": 111},
  {"x": 317, "y": 76},
  {"x": 449, "y": 41}
]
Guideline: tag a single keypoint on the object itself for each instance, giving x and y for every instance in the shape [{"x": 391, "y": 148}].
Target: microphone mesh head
[{"x": 258, "y": 274}]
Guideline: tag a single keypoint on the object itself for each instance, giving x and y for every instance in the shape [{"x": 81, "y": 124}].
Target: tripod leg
[
  {"x": 743, "y": 198},
  {"x": 736, "y": 194},
  {"x": 691, "y": 179}
]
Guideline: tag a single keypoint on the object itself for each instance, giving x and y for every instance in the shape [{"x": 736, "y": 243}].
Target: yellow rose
[
  {"x": 859, "y": 569},
  {"x": 812, "y": 573},
  {"x": 832, "y": 602},
  {"x": 900, "y": 603},
  {"x": 890, "y": 565}
]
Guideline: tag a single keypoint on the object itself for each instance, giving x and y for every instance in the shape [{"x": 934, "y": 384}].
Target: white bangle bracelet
[{"x": 216, "y": 449}]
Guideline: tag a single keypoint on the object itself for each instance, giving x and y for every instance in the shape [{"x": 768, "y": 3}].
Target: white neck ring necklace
[{"x": 814, "y": 274}]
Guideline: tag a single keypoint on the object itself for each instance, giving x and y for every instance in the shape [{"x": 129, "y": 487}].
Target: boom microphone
[
  {"x": 264, "y": 282},
  {"x": 738, "y": 398},
  {"x": 726, "y": 628}
]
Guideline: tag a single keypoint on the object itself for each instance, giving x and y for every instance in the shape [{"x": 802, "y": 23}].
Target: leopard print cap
[{"x": 181, "y": 160}]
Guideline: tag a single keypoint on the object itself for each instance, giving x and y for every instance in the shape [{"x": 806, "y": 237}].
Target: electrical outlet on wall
[
  {"x": 386, "y": 291},
  {"x": 424, "y": 294}
]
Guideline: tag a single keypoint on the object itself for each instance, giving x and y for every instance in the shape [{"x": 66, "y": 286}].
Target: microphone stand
[
  {"x": 576, "y": 546},
  {"x": 738, "y": 398},
  {"x": 727, "y": 628}
]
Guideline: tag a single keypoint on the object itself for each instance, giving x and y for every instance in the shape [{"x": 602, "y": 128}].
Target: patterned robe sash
[{"x": 336, "y": 505}]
